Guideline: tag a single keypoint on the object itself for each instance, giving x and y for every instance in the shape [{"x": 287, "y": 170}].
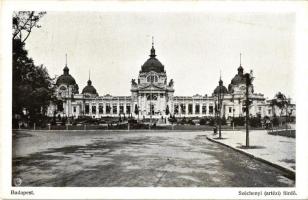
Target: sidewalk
[{"x": 275, "y": 150}]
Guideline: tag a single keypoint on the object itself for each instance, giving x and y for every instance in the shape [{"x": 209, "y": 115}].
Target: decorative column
[{"x": 90, "y": 109}]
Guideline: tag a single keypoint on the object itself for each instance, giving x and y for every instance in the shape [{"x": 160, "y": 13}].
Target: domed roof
[
  {"x": 220, "y": 88},
  {"x": 65, "y": 78},
  {"x": 152, "y": 64},
  {"x": 89, "y": 89},
  {"x": 239, "y": 77}
]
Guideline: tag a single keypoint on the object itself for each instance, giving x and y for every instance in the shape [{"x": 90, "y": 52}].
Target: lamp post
[
  {"x": 151, "y": 102},
  {"x": 248, "y": 81},
  {"x": 288, "y": 112},
  {"x": 220, "y": 97},
  {"x": 233, "y": 112}
]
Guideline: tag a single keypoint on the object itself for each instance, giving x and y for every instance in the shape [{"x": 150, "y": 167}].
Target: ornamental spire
[
  {"x": 220, "y": 81},
  {"x": 65, "y": 70},
  {"x": 240, "y": 59},
  {"x": 152, "y": 55},
  {"x": 89, "y": 81},
  {"x": 240, "y": 68}
]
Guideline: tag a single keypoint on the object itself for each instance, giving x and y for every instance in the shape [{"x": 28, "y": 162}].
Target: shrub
[
  {"x": 255, "y": 122},
  {"x": 275, "y": 121},
  {"x": 212, "y": 121},
  {"x": 202, "y": 121},
  {"x": 239, "y": 121},
  {"x": 191, "y": 122}
]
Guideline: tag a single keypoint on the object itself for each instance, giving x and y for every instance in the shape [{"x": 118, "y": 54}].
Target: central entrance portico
[{"x": 151, "y": 95}]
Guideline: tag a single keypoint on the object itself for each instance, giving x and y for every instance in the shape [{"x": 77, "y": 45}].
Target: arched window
[
  {"x": 62, "y": 88},
  {"x": 152, "y": 78},
  {"x": 152, "y": 97}
]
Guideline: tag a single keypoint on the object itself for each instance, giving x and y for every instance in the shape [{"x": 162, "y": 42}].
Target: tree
[
  {"x": 32, "y": 86},
  {"x": 24, "y": 22},
  {"x": 281, "y": 102}
]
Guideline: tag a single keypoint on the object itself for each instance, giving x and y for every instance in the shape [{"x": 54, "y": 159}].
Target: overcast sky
[{"x": 193, "y": 47}]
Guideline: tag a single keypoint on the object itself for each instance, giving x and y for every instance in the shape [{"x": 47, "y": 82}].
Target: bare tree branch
[{"x": 24, "y": 21}]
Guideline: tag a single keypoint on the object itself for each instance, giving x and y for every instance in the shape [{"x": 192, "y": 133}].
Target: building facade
[{"x": 152, "y": 96}]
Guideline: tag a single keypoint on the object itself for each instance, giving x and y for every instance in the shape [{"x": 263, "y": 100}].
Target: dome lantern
[{"x": 66, "y": 70}]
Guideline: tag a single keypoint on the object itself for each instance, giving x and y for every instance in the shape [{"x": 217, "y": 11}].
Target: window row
[
  {"x": 152, "y": 78},
  {"x": 109, "y": 109},
  {"x": 153, "y": 96},
  {"x": 198, "y": 110}
]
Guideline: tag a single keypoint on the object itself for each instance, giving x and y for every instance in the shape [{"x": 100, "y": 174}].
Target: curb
[
  {"x": 104, "y": 130},
  {"x": 287, "y": 172}
]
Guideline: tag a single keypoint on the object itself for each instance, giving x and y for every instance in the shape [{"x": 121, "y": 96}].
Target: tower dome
[
  {"x": 89, "y": 89},
  {"x": 65, "y": 78},
  {"x": 152, "y": 64},
  {"x": 220, "y": 88},
  {"x": 239, "y": 77}
]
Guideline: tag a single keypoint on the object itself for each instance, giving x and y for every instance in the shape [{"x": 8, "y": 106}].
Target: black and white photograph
[{"x": 153, "y": 98}]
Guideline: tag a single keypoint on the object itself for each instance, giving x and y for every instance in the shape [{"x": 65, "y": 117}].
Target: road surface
[{"x": 135, "y": 159}]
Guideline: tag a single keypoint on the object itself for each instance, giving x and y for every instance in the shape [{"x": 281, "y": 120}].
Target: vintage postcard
[{"x": 153, "y": 100}]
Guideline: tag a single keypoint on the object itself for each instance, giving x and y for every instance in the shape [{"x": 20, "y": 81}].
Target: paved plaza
[
  {"x": 135, "y": 159},
  {"x": 275, "y": 149}
]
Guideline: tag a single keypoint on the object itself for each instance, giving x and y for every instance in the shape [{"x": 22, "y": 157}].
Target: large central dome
[{"x": 152, "y": 64}]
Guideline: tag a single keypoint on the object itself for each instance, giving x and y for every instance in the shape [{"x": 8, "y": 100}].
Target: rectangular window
[
  {"x": 60, "y": 106},
  {"x": 87, "y": 108},
  {"x": 127, "y": 108},
  {"x": 211, "y": 109},
  {"x": 176, "y": 109},
  {"x": 161, "y": 95},
  {"x": 101, "y": 109},
  {"x": 190, "y": 108},
  {"x": 108, "y": 108},
  {"x": 74, "y": 109},
  {"x": 93, "y": 109},
  {"x": 136, "y": 109},
  {"x": 121, "y": 108},
  {"x": 203, "y": 109},
  {"x": 230, "y": 109},
  {"x": 114, "y": 109},
  {"x": 269, "y": 112},
  {"x": 197, "y": 109},
  {"x": 183, "y": 108}
]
